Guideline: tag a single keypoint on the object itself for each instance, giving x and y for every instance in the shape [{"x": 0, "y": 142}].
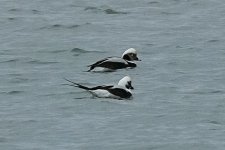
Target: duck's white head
[
  {"x": 126, "y": 82},
  {"x": 130, "y": 54}
]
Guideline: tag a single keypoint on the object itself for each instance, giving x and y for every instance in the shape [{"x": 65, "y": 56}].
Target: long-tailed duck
[
  {"x": 113, "y": 63},
  {"x": 120, "y": 91}
]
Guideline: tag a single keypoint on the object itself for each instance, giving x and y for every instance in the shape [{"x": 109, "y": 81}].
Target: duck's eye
[{"x": 128, "y": 85}]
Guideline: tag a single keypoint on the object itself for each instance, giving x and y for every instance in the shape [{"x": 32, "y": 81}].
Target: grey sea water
[{"x": 179, "y": 95}]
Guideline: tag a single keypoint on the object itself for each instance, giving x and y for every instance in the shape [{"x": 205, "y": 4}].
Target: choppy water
[{"x": 179, "y": 96}]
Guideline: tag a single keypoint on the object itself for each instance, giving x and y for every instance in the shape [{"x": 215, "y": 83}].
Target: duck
[
  {"x": 120, "y": 91},
  {"x": 114, "y": 63}
]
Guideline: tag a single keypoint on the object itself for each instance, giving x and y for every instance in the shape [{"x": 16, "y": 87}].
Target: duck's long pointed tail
[
  {"x": 77, "y": 85},
  {"x": 91, "y": 67}
]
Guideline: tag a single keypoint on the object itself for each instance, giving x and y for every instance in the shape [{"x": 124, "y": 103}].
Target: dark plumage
[
  {"x": 112, "y": 63},
  {"x": 122, "y": 93}
]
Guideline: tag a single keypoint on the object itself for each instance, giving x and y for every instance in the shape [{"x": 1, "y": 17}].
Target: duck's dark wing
[
  {"x": 92, "y": 66},
  {"x": 113, "y": 65},
  {"x": 110, "y": 63},
  {"x": 103, "y": 87},
  {"x": 116, "y": 63},
  {"x": 98, "y": 62},
  {"x": 122, "y": 93}
]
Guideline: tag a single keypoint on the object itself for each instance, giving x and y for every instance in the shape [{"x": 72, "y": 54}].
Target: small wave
[
  {"x": 91, "y": 8},
  {"x": 107, "y": 11},
  {"x": 11, "y": 18},
  {"x": 14, "y": 10},
  {"x": 72, "y": 92},
  {"x": 14, "y": 92},
  {"x": 82, "y": 97},
  {"x": 213, "y": 41},
  {"x": 49, "y": 95},
  {"x": 54, "y": 26},
  {"x": 19, "y": 80},
  {"x": 57, "y": 26},
  {"x": 15, "y": 75},
  {"x": 2, "y": 139},
  {"x": 61, "y": 26},
  {"x": 41, "y": 62},
  {"x": 208, "y": 92},
  {"x": 66, "y": 107},
  {"x": 34, "y": 11},
  {"x": 59, "y": 94},
  {"x": 214, "y": 122},
  {"x": 53, "y": 51},
  {"x": 153, "y": 2},
  {"x": 10, "y": 61},
  {"x": 30, "y": 121},
  {"x": 58, "y": 51},
  {"x": 169, "y": 13},
  {"x": 73, "y": 26},
  {"x": 216, "y": 92},
  {"x": 150, "y": 44},
  {"x": 160, "y": 116},
  {"x": 5, "y": 52},
  {"x": 111, "y": 11},
  {"x": 78, "y": 51}
]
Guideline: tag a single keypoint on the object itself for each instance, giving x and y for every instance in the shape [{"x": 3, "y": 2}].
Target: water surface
[{"x": 179, "y": 84}]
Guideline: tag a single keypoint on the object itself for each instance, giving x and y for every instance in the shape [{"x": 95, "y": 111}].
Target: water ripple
[
  {"x": 91, "y": 8},
  {"x": 213, "y": 41},
  {"x": 11, "y": 18},
  {"x": 214, "y": 122},
  {"x": 79, "y": 51},
  {"x": 207, "y": 92},
  {"x": 34, "y": 11},
  {"x": 14, "y": 10},
  {"x": 2, "y": 139},
  {"x": 169, "y": 13},
  {"x": 111, "y": 11},
  {"x": 53, "y": 51},
  {"x": 153, "y": 2},
  {"x": 41, "y": 62},
  {"x": 14, "y": 92},
  {"x": 19, "y": 80},
  {"x": 83, "y": 97},
  {"x": 62, "y": 26},
  {"x": 10, "y": 60},
  {"x": 57, "y": 51},
  {"x": 106, "y": 10}
]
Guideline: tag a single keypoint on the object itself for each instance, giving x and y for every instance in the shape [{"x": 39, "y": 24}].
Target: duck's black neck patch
[{"x": 126, "y": 57}]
